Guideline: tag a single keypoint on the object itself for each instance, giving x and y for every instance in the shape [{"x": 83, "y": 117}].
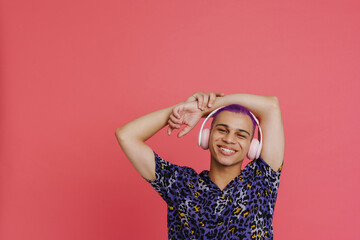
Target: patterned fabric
[{"x": 198, "y": 209}]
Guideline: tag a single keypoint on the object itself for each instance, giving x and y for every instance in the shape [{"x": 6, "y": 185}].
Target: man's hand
[
  {"x": 204, "y": 100},
  {"x": 191, "y": 111},
  {"x": 186, "y": 114}
]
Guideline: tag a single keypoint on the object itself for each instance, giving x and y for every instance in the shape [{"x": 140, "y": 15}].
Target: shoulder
[
  {"x": 167, "y": 170},
  {"x": 260, "y": 168},
  {"x": 260, "y": 174}
]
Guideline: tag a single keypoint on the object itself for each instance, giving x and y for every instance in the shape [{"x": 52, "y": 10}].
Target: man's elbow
[
  {"x": 274, "y": 101},
  {"x": 120, "y": 134}
]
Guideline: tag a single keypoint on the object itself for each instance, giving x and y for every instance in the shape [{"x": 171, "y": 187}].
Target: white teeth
[{"x": 227, "y": 150}]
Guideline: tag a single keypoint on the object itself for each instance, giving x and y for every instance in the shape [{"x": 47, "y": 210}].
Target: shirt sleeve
[
  {"x": 270, "y": 177},
  {"x": 167, "y": 178}
]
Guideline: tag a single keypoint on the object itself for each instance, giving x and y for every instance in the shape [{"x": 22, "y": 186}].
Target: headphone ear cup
[
  {"x": 205, "y": 135},
  {"x": 254, "y": 146}
]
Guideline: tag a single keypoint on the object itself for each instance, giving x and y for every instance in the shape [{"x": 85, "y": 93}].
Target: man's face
[{"x": 230, "y": 138}]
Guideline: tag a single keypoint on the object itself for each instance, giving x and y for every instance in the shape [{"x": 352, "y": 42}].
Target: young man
[{"x": 225, "y": 202}]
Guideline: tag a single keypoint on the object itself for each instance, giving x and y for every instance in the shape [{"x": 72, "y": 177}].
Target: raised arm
[
  {"x": 266, "y": 109},
  {"x": 132, "y": 137}
]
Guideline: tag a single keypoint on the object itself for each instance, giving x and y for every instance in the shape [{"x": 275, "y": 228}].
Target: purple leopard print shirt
[{"x": 198, "y": 209}]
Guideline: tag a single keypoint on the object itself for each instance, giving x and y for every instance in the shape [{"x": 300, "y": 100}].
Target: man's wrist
[{"x": 215, "y": 106}]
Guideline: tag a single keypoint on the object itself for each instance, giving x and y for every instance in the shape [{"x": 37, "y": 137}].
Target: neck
[{"x": 222, "y": 175}]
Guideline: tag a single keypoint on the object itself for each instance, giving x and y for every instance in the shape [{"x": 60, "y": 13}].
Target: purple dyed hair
[{"x": 236, "y": 108}]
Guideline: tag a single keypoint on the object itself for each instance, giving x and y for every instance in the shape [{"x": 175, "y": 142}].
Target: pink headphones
[{"x": 255, "y": 145}]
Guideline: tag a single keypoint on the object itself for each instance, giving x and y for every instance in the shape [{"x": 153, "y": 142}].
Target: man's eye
[
  {"x": 241, "y": 136},
  {"x": 221, "y": 130}
]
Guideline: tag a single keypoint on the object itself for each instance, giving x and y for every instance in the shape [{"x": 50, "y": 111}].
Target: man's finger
[
  {"x": 184, "y": 131},
  {"x": 206, "y": 101},
  {"x": 200, "y": 99},
  {"x": 174, "y": 119},
  {"x": 220, "y": 94},
  {"x": 176, "y": 112},
  {"x": 169, "y": 130},
  {"x": 173, "y": 125},
  {"x": 212, "y": 99}
]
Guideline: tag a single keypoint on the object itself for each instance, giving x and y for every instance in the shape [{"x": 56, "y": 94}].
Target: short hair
[{"x": 236, "y": 108}]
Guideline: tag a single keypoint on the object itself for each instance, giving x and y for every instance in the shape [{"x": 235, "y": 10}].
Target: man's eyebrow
[{"x": 224, "y": 125}]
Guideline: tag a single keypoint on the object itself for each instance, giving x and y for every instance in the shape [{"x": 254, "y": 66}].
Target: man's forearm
[
  {"x": 145, "y": 126},
  {"x": 257, "y": 104}
]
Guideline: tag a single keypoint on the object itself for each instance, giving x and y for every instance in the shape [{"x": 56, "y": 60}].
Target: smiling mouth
[{"x": 227, "y": 151}]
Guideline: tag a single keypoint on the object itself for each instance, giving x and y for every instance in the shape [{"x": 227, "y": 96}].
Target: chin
[{"x": 226, "y": 162}]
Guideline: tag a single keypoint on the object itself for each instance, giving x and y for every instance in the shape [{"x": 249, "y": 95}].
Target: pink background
[{"x": 74, "y": 71}]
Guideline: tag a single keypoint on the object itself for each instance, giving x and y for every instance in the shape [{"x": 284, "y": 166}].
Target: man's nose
[{"x": 229, "y": 138}]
